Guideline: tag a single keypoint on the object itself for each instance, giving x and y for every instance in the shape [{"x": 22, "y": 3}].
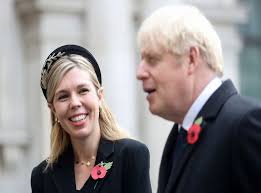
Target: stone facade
[{"x": 30, "y": 29}]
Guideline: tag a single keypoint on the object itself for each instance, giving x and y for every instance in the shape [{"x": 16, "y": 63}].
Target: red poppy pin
[
  {"x": 99, "y": 171},
  {"x": 194, "y": 131}
]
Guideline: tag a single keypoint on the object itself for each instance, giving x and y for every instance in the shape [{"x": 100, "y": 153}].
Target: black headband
[{"x": 63, "y": 51}]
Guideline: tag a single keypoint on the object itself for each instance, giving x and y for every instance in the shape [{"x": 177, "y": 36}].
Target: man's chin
[
  {"x": 159, "y": 113},
  {"x": 153, "y": 110}
]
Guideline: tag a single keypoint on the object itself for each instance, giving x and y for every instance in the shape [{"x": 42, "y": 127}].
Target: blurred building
[
  {"x": 30, "y": 29},
  {"x": 250, "y": 69}
]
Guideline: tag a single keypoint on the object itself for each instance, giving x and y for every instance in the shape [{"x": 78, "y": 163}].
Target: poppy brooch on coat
[
  {"x": 100, "y": 170},
  {"x": 194, "y": 131}
]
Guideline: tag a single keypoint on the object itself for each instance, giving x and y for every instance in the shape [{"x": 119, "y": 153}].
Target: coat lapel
[
  {"x": 177, "y": 171},
  {"x": 164, "y": 172},
  {"x": 63, "y": 173},
  {"x": 208, "y": 112},
  {"x": 105, "y": 152}
]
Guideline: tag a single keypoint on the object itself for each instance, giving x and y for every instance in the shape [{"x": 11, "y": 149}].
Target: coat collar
[
  {"x": 216, "y": 101},
  {"x": 63, "y": 171},
  {"x": 106, "y": 147},
  {"x": 209, "y": 112}
]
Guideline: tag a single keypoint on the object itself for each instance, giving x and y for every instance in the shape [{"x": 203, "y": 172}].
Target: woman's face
[{"x": 76, "y": 104}]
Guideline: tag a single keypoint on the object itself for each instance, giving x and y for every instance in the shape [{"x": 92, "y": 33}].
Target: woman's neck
[{"x": 86, "y": 149}]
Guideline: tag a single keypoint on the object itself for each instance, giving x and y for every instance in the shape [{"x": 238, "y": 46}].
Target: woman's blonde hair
[
  {"x": 178, "y": 28},
  {"x": 59, "y": 138}
]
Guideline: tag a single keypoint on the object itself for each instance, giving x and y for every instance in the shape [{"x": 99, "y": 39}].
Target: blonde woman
[{"x": 89, "y": 152}]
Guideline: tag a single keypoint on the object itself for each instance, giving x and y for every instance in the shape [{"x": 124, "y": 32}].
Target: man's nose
[{"x": 141, "y": 71}]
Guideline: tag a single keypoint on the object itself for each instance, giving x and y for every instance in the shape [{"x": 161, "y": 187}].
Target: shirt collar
[{"x": 197, "y": 105}]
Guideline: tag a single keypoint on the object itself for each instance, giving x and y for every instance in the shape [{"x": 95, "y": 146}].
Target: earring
[{"x": 57, "y": 120}]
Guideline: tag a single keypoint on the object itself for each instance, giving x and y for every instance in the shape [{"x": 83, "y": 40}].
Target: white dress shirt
[{"x": 193, "y": 111}]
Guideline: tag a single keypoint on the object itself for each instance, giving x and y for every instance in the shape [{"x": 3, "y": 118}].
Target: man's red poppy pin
[{"x": 194, "y": 131}]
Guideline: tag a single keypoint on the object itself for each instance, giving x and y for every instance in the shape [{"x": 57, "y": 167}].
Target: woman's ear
[
  {"x": 51, "y": 107},
  {"x": 100, "y": 93}
]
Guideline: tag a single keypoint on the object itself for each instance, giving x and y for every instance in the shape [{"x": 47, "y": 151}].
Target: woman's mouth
[{"x": 78, "y": 118}]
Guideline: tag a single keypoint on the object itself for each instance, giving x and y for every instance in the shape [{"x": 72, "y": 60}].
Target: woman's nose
[{"x": 75, "y": 101}]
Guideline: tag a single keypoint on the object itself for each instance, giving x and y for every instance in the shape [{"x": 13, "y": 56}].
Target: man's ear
[{"x": 194, "y": 57}]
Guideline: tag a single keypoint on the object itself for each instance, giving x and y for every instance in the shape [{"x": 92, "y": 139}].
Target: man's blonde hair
[{"x": 178, "y": 28}]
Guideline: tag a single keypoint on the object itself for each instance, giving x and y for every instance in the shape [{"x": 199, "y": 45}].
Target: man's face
[{"x": 165, "y": 79}]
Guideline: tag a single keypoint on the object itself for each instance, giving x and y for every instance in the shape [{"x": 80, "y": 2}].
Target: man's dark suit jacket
[
  {"x": 227, "y": 156},
  {"x": 128, "y": 174}
]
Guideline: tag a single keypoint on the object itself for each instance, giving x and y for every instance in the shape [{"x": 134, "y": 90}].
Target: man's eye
[{"x": 151, "y": 59}]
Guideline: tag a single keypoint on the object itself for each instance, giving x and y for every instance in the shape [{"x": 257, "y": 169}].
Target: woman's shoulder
[
  {"x": 132, "y": 153},
  {"x": 40, "y": 168},
  {"x": 129, "y": 142},
  {"x": 38, "y": 173},
  {"x": 130, "y": 145}
]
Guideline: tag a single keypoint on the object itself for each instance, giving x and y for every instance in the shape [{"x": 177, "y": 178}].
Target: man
[{"x": 180, "y": 70}]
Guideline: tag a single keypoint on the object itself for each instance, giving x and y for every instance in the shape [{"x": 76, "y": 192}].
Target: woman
[{"x": 89, "y": 152}]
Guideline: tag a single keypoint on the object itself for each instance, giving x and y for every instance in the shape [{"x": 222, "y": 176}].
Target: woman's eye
[
  {"x": 62, "y": 97},
  {"x": 84, "y": 90}
]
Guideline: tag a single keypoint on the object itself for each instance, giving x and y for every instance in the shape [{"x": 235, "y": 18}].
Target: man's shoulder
[
  {"x": 243, "y": 103},
  {"x": 233, "y": 101}
]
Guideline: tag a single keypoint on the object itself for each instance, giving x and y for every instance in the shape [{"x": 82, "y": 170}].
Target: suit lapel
[
  {"x": 209, "y": 112},
  {"x": 176, "y": 172},
  {"x": 164, "y": 172},
  {"x": 63, "y": 173},
  {"x": 105, "y": 152}
]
